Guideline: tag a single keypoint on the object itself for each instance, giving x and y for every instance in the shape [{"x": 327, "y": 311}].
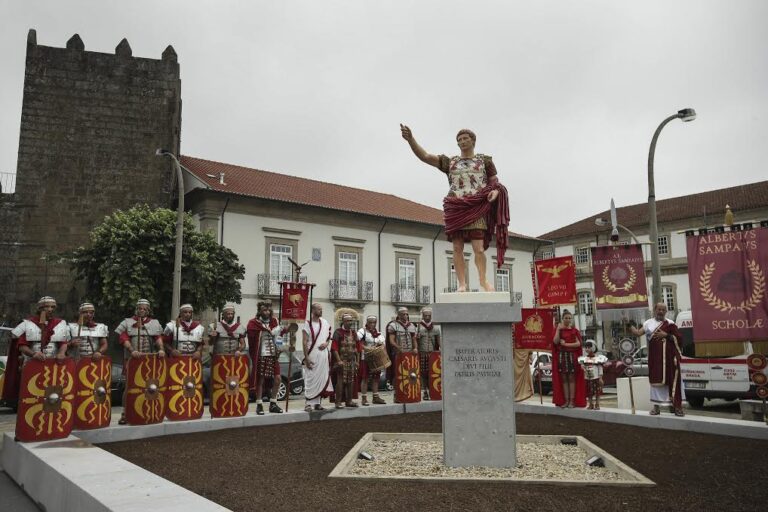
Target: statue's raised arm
[{"x": 419, "y": 151}]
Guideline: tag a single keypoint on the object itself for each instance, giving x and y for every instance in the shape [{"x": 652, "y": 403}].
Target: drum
[{"x": 377, "y": 358}]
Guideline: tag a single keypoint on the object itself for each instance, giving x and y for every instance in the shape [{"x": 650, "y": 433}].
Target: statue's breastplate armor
[{"x": 467, "y": 176}]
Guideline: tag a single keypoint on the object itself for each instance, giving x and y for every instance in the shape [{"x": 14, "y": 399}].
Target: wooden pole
[{"x": 631, "y": 395}]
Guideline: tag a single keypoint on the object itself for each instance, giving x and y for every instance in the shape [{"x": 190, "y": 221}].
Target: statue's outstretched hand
[
  {"x": 493, "y": 195},
  {"x": 406, "y": 132}
]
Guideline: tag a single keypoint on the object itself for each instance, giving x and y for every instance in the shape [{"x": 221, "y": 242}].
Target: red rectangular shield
[
  {"x": 46, "y": 400},
  {"x": 726, "y": 273},
  {"x": 294, "y": 301},
  {"x": 145, "y": 400},
  {"x": 229, "y": 383},
  {"x": 435, "y": 376},
  {"x": 619, "y": 275},
  {"x": 407, "y": 378},
  {"x": 184, "y": 389},
  {"x": 556, "y": 279},
  {"x": 93, "y": 400},
  {"x": 535, "y": 330}
]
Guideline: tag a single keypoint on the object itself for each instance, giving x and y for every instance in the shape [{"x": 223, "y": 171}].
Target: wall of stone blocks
[{"x": 90, "y": 125}]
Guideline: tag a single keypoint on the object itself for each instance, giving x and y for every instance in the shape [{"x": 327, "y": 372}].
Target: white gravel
[{"x": 536, "y": 461}]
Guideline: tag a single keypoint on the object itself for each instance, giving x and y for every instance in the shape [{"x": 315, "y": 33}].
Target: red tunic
[{"x": 580, "y": 392}]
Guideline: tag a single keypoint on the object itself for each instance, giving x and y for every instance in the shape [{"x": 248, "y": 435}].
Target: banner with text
[
  {"x": 535, "y": 330},
  {"x": 726, "y": 273},
  {"x": 294, "y": 301},
  {"x": 556, "y": 279},
  {"x": 619, "y": 275}
]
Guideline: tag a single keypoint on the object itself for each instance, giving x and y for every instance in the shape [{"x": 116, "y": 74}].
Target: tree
[{"x": 131, "y": 257}]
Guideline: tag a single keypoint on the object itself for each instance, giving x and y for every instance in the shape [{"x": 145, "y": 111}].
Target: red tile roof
[
  {"x": 292, "y": 189},
  {"x": 740, "y": 198}
]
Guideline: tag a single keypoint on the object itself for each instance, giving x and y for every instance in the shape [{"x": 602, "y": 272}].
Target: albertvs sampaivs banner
[
  {"x": 619, "y": 276},
  {"x": 556, "y": 281},
  {"x": 726, "y": 272},
  {"x": 535, "y": 330}
]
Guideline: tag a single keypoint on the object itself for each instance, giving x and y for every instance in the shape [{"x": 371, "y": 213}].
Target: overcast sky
[{"x": 564, "y": 95}]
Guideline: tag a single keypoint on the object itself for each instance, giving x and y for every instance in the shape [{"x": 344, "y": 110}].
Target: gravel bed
[{"x": 536, "y": 461}]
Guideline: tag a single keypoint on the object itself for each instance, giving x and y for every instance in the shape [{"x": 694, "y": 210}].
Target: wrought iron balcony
[
  {"x": 410, "y": 294},
  {"x": 269, "y": 284},
  {"x": 350, "y": 291}
]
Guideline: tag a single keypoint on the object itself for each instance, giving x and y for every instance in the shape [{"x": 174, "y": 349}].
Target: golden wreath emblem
[
  {"x": 612, "y": 287},
  {"x": 758, "y": 289},
  {"x": 534, "y": 324}
]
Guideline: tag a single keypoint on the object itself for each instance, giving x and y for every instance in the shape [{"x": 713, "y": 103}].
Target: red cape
[
  {"x": 254, "y": 329},
  {"x": 460, "y": 211},
  {"x": 580, "y": 396}
]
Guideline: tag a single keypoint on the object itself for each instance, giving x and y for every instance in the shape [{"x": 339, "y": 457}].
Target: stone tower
[{"x": 90, "y": 125}]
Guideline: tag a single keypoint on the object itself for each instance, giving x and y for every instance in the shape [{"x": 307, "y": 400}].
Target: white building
[
  {"x": 676, "y": 216},
  {"x": 369, "y": 251}
]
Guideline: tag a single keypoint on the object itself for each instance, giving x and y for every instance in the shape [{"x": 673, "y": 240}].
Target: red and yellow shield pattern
[
  {"x": 229, "y": 380},
  {"x": 145, "y": 401},
  {"x": 407, "y": 378},
  {"x": 93, "y": 401},
  {"x": 435, "y": 376},
  {"x": 45, "y": 400},
  {"x": 184, "y": 389}
]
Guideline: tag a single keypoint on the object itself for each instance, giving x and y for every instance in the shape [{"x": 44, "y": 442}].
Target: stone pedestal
[
  {"x": 478, "y": 378},
  {"x": 641, "y": 390}
]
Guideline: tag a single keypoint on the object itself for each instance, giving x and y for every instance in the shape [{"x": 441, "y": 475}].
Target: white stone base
[{"x": 641, "y": 390}]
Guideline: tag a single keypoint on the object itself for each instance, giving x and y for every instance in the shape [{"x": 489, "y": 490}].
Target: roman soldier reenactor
[
  {"x": 88, "y": 338},
  {"x": 227, "y": 336},
  {"x": 40, "y": 337},
  {"x": 427, "y": 341},
  {"x": 184, "y": 336},
  {"x": 139, "y": 334},
  {"x": 370, "y": 337},
  {"x": 262, "y": 331},
  {"x": 346, "y": 351}
]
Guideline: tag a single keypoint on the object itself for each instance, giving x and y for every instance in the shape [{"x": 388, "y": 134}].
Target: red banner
[
  {"x": 556, "y": 279},
  {"x": 619, "y": 275},
  {"x": 726, "y": 272},
  {"x": 535, "y": 330},
  {"x": 295, "y": 301}
]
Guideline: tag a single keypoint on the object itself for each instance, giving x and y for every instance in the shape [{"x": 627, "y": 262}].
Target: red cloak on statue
[
  {"x": 580, "y": 392},
  {"x": 460, "y": 211}
]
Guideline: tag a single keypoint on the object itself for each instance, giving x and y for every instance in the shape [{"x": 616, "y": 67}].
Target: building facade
[
  {"x": 677, "y": 217},
  {"x": 364, "y": 250}
]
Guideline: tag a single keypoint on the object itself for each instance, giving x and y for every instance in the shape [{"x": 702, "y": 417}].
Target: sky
[{"x": 564, "y": 95}]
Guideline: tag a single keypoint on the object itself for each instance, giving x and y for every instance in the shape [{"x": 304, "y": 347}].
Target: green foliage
[{"x": 131, "y": 257}]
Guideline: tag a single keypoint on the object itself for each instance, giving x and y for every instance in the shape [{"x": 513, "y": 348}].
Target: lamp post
[
  {"x": 179, "y": 232},
  {"x": 602, "y": 222},
  {"x": 686, "y": 115}
]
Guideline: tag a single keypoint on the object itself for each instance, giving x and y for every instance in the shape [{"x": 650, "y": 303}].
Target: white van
[{"x": 713, "y": 370}]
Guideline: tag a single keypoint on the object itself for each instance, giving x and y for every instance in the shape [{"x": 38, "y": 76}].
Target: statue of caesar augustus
[{"x": 476, "y": 207}]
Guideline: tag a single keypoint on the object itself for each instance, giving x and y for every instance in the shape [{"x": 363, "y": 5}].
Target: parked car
[
  {"x": 297, "y": 375},
  {"x": 614, "y": 368},
  {"x": 541, "y": 366}
]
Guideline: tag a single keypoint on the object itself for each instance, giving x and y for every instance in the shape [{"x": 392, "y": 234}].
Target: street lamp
[
  {"x": 179, "y": 232},
  {"x": 615, "y": 232},
  {"x": 686, "y": 115}
]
